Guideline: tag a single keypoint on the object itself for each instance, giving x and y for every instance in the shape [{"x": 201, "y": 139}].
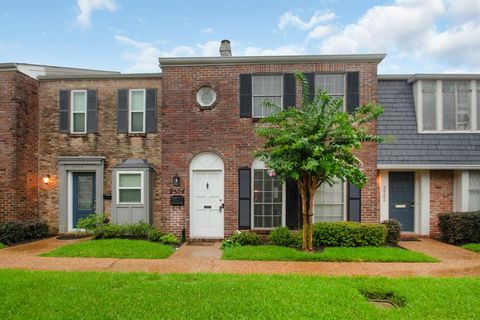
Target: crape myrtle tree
[{"x": 315, "y": 144}]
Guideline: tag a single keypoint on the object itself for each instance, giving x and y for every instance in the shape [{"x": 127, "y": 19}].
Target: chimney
[{"x": 225, "y": 49}]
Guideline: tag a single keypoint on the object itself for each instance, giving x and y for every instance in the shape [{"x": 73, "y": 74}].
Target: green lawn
[
  {"x": 2, "y": 246},
  {"x": 472, "y": 247},
  {"x": 114, "y": 248},
  {"x": 103, "y": 295},
  {"x": 378, "y": 254}
]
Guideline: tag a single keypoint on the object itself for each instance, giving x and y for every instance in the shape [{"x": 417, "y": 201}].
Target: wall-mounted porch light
[
  {"x": 176, "y": 180},
  {"x": 46, "y": 179}
]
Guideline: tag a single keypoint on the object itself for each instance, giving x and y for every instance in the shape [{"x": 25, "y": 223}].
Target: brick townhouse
[{"x": 175, "y": 149}]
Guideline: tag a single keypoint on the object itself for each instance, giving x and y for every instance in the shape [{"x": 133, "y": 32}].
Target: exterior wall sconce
[
  {"x": 46, "y": 179},
  {"x": 176, "y": 180}
]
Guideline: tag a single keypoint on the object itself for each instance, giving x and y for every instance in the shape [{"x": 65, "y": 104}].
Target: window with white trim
[
  {"x": 79, "y": 111},
  {"x": 473, "y": 190},
  {"x": 268, "y": 198},
  {"x": 332, "y": 83},
  {"x": 136, "y": 108},
  {"x": 329, "y": 202},
  {"x": 266, "y": 88},
  {"x": 130, "y": 187},
  {"x": 447, "y": 105}
]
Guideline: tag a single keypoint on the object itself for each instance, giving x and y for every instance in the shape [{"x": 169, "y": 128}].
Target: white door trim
[{"x": 206, "y": 161}]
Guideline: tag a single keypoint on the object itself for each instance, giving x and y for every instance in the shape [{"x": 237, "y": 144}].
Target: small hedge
[
  {"x": 100, "y": 228},
  {"x": 281, "y": 236},
  {"x": 12, "y": 232},
  {"x": 245, "y": 238},
  {"x": 393, "y": 231},
  {"x": 348, "y": 234},
  {"x": 460, "y": 227}
]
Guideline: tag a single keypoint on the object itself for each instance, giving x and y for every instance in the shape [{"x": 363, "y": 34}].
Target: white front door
[{"x": 206, "y": 215}]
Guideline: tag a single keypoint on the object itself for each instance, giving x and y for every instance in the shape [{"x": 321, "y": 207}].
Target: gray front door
[{"x": 402, "y": 195}]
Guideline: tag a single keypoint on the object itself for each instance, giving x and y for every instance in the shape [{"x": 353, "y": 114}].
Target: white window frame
[
  {"x": 72, "y": 112},
  {"x": 254, "y": 96},
  {"x": 418, "y": 90},
  {"x": 345, "y": 199},
  {"x": 260, "y": 165},
  {"x": 141, "y": 188},
  {"x": 344, "y": 84},
  {"x": 130, "y": 109}
]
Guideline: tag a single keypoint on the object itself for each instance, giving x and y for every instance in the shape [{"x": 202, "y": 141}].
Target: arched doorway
[{"x": 207, "y": 196}]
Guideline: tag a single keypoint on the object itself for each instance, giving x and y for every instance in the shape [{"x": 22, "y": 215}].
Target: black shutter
[
  {"x": 292, "y": 204},
  {"x": 64, "y": 111},
  {"x": 244, "y": 198},
  {"x": 353, "y": 205},
  {"x": 91, "y": 111},
  {"x": 151, "y": 111},
  {"x": 289, "y": 90},
  {"x": 311, "y": 85},
  {"x": 353, "y": 91},
  {"x": 245, "y": 96},
  {"x": 122, "y": 111}
]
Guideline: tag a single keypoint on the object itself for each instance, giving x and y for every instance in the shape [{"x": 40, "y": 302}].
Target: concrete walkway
[{"x": 455, "y": 262}]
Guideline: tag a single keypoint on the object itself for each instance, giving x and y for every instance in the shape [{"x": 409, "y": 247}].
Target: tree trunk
[
  {"x": 302, "y": 190},
  {"x": 311, "y": 198}
]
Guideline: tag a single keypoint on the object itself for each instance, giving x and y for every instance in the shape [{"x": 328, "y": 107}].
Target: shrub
[
  {"x": 154, "y": 235},
  {"x": 92, "y": 222},
  {"x": 12, "y": 232},
  {"x": 348, "y": 234},
  {"x": 169, "y": 238},
  {"x": 122, "y": 231},
  {"x": 393, "y": 231},
  {"x": 281, "y": 236},
  {"x": 246, "y": 238},
  {"x": 460, "y": 227}
]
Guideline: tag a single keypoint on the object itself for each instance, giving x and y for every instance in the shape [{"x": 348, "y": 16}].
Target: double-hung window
[
  {"x": 266, "y": 88},
  {"x": 136, "y": 111},
  {"x": 332, "y": 83},
  {"x": 79, "y": 111},
  {"x": 130, "y": 187},
  {"x": 456, "y": 105},
  {"x": 329, "y": 202}
]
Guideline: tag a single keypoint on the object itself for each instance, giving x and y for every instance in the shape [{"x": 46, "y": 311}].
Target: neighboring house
[
  {"x": 175, "y": 149},
  {"x": 430, "y": 161}
]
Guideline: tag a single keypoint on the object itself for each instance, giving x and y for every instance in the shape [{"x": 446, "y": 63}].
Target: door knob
[{"x": 221, "y": 207}]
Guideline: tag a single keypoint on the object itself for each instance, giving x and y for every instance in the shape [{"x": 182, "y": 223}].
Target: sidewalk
[{"x": 455, "y": 262}]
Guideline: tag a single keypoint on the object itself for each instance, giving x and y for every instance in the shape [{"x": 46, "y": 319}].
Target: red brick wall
[
  {"x": 187, "y": 131},
  {"x": 18, "y": 145},
  {"x": 107, "y": 142},
  {"x": 441, "y": 197}
]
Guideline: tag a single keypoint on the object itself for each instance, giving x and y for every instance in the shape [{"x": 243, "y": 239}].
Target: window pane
[
  {"x": 333, "y": 84},
  {"x": 474, "y": 190},
  {"x": 85, "y": 192},
  {"x": 329, "y": 203},
  {"x": 429, "y": 105},
  {"x": 267, "y": 209},
  {"x": 130, "y": 180},
  {"x": 79, "y": 122},
  {"x": 79, "y": 101},
  {"x": 259, "y": 108},
  {"x": 130, "y": 195},
  {"x": 464, "y": 102},
  {"x": 448, "y": 105},
  {"x": 137, "y": 122},
  {"x": 137, "y": 101}
]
